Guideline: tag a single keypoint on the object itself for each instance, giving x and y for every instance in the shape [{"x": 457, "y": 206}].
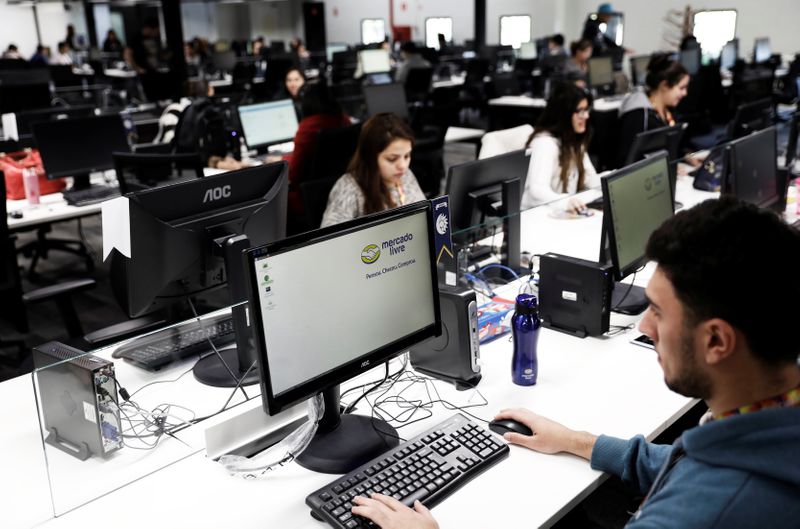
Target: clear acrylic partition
[{"x": 160, "y": 424}]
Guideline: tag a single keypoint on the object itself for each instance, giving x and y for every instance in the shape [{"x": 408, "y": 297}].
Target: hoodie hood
[
  {"x": 635, "y": 101},
  {"x": 766, "y": 442}
]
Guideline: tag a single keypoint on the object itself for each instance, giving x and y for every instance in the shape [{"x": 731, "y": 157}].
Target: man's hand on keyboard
[
  {"x": 389, "y": 513},
  {"x": 549, "y": 437}
]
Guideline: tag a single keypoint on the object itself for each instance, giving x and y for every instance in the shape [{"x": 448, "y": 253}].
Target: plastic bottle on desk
[
  {"x": 525, "y": 326},
  {"x": 30, "y": 181}
]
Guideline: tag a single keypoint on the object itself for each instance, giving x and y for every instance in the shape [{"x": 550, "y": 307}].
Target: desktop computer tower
[
  {"x": 78, "y": 398},
  {"x": 453, "y": 356},
  {"x": 575, "y": 295}
]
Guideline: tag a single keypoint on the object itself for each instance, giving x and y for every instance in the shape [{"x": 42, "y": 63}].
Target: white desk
[
  {"x": 456, "y": 134},
  {"x": 52, "y": 208},
  {"x": 600, "y": 104},
  {"x": 604, "y": 385}
]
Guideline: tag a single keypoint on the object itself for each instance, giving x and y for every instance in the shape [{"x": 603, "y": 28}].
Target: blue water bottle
[{"x": 525, "y": 325}]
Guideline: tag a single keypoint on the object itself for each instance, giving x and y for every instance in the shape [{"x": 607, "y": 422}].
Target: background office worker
[
  {"x": 378, "y": 177},
  {"x": 735, "y": 348},
  {"x": 560, "y": 164},
  {"x": 666, "y": 84}
]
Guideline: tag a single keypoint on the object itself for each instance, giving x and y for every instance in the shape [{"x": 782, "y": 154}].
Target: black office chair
[
  {"x": 335, "y": 148},
  {"x": 314, "y": 195},
  {"x": 62, "y": 75},
  {"x": 136, "y": 171},
  {"x": 418, "y": 84}
]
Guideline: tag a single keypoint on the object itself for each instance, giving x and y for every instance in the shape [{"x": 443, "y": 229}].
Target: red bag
[{"x": 12, "y": 165}]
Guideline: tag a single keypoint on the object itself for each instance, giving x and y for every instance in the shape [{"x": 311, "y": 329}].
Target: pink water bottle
[{"x": 30, "y": 181}]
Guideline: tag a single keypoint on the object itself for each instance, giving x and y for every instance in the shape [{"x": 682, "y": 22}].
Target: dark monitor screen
[
  {"x": 753, "y": 168},
  {"x": 601, "y": 71},
  {"x": 26, "y": 119},
  {"x": 761, "y": 50},
  {"x": 650, "y": 141},
  {"x": 77, "y": 147},
  {"x": 791, "y": 144},
  {"x": 729, "y": 55},
  {"x": 639, "y": 69},
  {"x": 751, "y": 117},
  {"x": 690, "y": 59},
  {"x": 637, "y": 200},
  {"x": 468, "y": 183},
  {"x": 386, "y": 98},
  {"x": 313, "y": 334}
]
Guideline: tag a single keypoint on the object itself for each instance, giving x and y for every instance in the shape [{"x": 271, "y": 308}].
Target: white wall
[
  {"x": 343, "y": 18},
  {"x": 198, "y": 20},
  {"x": 18, "y": 26},
  {"x": 416, "y": 11},
  {"x": 645, "y": 27},
  {"x": 544, "y": 15}
]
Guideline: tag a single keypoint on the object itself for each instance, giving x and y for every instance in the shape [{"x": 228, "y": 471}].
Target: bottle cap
[{"x": 526, "y": 304}]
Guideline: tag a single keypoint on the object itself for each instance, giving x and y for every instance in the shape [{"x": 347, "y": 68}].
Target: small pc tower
[
  {"x": 453, "y": 356},
  {"x": 78, "y": 399},
  {"x": 575, "y": 295}
]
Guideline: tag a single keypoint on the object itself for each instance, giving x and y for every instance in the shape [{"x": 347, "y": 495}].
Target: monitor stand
[
  {"x": 628, "y": 299},
  {"x": 80, "y": 182},
  {"x": 345, "y": 442}
]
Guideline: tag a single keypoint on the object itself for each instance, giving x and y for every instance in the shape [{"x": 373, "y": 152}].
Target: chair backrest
[
  {"x": 314, "y": 194},
  {"x": 418, "y": 83},
  {"x": 503, "y": 141},
  {"x": 136, "y": 171},
  {"x": 335, "y": 148}
]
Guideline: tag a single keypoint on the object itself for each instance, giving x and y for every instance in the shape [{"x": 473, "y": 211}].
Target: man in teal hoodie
[{"x": 719, "y": 337}]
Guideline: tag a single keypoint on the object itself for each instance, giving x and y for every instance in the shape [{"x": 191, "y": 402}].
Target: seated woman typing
[
  {"x": 378, "y": 177},
  {"x": 560, "y": 164}
]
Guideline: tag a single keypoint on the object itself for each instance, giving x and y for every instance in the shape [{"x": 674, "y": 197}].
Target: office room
[{"x": 399, "y": 264}]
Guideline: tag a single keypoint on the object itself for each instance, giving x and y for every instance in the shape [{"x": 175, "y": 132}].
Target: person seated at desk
[
  {"x": 378, "y": 177},
  {"x": 739, "y": 467},
  {"x": 62, "y": 55},
  {"x": 410, "y": 59},
  {"x": 666, "y": 84},
  {"x": 293, "y": 83},
  {"x": 577, "y": 67},
  {"x": 560, "y": 164}
]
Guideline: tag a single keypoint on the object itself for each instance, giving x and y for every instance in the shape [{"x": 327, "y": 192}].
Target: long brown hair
[
  {"x": 377, "y": 134},
  {"x": 557, "y": 121}
]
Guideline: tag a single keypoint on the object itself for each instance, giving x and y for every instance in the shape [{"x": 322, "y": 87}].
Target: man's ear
[{"x": 718, "y": 340}]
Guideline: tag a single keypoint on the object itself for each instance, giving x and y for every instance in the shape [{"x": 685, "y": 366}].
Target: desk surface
[
  {"x": 603, "y": 385},
  {"x": 600, "y": 104}
]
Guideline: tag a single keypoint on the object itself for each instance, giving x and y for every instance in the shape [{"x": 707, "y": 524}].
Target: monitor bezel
[
  {"x": 608, "y": 234},
  {"x": 733, "y": 174},
  {"x": 264, "y": 145},
  {"x": 275, "y": 403},
  {"x": 597, "y": 60}
]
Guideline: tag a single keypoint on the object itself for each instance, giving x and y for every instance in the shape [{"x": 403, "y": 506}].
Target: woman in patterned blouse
[{"x": 378, "y": 176}]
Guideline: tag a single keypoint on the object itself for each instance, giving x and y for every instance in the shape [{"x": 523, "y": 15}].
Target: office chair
[
  {"x": 504, "y": 141},
  {"x": 314, "y": 195},
  {"x": 335, "y": 148},
  {"x": 418, "y": 84},
  {"x": 62, "y": 75},
  {"x": 137, "y": 171}
]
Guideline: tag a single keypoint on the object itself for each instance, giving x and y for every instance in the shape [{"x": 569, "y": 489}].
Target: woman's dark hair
[
  {"x": 662, "y": 68},
  {"x": 556, "y": 120},
  {"x": 579, "y": 45},
  {"x": 293, "y": 69},
  {"x": 316, "y": 98},
  {"x": 377, "y": 134}
]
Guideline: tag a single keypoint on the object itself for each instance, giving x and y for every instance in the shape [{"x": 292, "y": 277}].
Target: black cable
[
  {"x": 628, "y": 291},
  {"x": 352, "y": 405}
]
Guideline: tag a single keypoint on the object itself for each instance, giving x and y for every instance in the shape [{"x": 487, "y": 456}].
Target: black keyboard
[
  {"x": 154, "y": 351},
  {"x": 90, "y": 195},
  {"x": 427, "y": 468}
]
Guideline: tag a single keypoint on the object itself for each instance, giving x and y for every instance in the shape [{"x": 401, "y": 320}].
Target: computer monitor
[
  {"x": 486, "y": 194},
  {"x": 753, "y": 171},
  {"x": 377, "y": 298},
  {"x": 650, "y": 142},
  {"x": 527, "y": 50},
  {"x": 27, "y": 118},
  {"x": 750, "y": 117},
  {"x": 637, "y": 199},
  {"x": 690, "y": 59},
  {"x": 24, "y": 89},
  {"x": 386, "y": 98},
  {"x": 639, "y": 69},
  {"x": 334, "y": 47},
  {"x": 374, "y": 61},
  {"x": 791, "y": 143},
  {"x": 187, "y": 238},
  {"x": 265, "y": 124},
  {"x": 761, "y": 50},
  {"x": 80, "y": 146},
  {"x": 601, "y": 72},
  {"x": 729, "y": 55}
]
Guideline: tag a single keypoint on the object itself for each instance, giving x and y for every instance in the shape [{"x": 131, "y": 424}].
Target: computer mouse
[
  {"x": 15, "y": 214},
  {"x": 502, "y": 426}
]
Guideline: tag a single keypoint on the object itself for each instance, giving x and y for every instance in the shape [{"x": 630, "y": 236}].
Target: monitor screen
[
  {"x": 334, "y": 47},
  {"x": 374, "y": 61},
  {"x": 690, "y": 59},
  {"x": 791, "y": 142},
  {"x": 750, "y": 117},
  {"x": 639, "y": 69},
  {"x": 637, "y": 200},
  {"x": 729, "y": 54},
  {"x": 378, "y": 297},
  {"x": 527, "y": 50},
  {"x": 265, "y": 124},
  {"x": 753, "y": 168},
  {"x": 77, "y": 147},
  {"x": 601, "y": 71},
  {"x": 26, "y": 119},
  {"x": 386, "y": 98},
  {"x": 761, "y": 50}
]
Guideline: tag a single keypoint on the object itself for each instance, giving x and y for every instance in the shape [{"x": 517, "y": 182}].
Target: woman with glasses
[{"x": 560, "y": 164}]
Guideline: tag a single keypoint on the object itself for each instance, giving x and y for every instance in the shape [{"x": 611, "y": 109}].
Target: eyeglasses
[{"x": 583, "y": 111}]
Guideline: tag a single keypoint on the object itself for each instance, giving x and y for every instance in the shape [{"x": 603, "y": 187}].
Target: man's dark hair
[
  {"x": 730, "y": 260},
  {"x": 557, "y": 39}
]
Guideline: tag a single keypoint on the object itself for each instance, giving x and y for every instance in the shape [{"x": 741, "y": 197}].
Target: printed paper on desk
[
  {"x": 10, "y": 127},
  {"x": 116, "y": 226}
]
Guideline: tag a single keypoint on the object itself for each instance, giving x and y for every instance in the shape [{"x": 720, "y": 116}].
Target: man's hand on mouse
[
  {"x": 389, "y": 513},
  {"x": 549, "y": 437}
]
